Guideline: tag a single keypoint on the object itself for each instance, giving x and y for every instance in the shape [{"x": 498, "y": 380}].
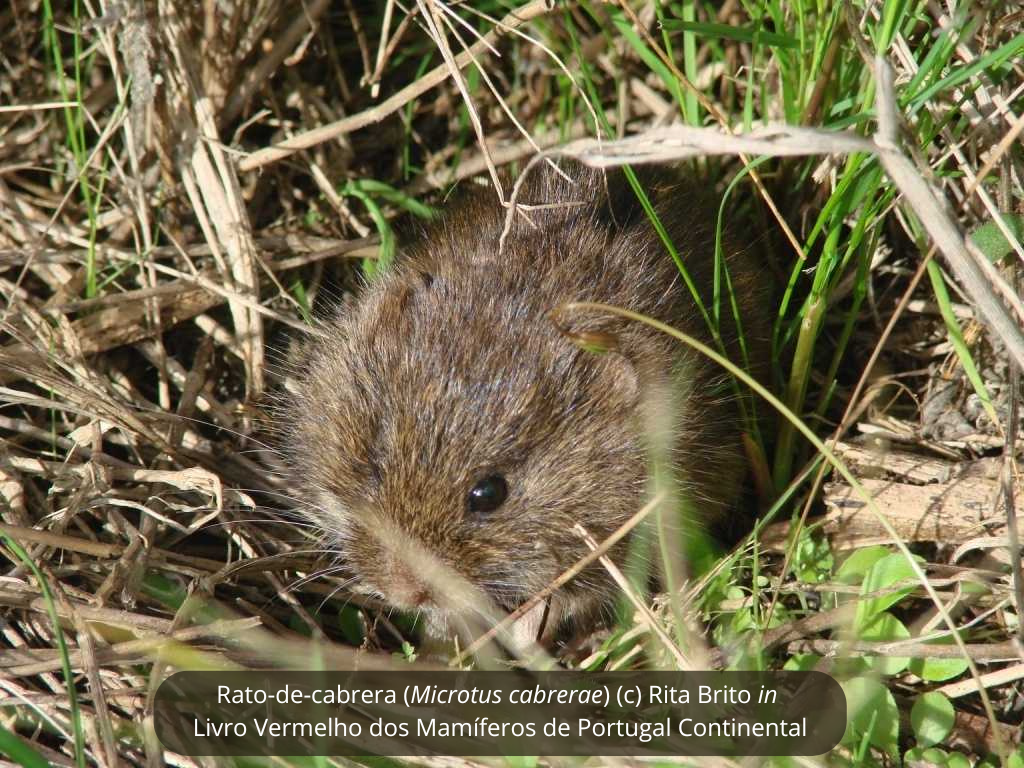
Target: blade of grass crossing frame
[
  {"x": 75, "y": 126},
  {"x": 62, "y": 647},
  {"x": 956, "y": 338},
  {"x": 19, "y": 752}
]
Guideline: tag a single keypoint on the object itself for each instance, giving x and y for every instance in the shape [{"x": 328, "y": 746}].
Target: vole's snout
[{"x": 403, "y": 589}]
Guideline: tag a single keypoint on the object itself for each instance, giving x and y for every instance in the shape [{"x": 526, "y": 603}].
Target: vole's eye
[{"x": 488, "y": 494}]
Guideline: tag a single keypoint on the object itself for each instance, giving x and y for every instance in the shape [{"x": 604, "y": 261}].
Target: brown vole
[{"x": 444, "y": 414}]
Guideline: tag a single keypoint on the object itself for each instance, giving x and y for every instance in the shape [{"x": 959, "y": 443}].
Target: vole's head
[{"x": 445, "y": 417}]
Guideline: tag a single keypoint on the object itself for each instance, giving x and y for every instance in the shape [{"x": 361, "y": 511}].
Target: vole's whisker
[
  {"x": 320, "y": 574},
  {"x": 334, "y": 592}
]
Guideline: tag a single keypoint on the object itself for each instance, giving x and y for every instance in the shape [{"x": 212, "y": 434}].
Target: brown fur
[{"x": 449, "y": 368}]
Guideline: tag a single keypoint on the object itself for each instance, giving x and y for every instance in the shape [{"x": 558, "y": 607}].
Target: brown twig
[{"x": 985, "y": 653}]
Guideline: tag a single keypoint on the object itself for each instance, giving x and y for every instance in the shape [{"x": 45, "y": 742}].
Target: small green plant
[
  {"x": 371, "y": 194},
  {"x": 932, "y": 718},
  {"x": 408, "y": 652},
  {"x": 873, "y": 720}
]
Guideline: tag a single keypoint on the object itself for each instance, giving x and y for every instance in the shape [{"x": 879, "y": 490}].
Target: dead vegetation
[{"x": 181, "y": 184}]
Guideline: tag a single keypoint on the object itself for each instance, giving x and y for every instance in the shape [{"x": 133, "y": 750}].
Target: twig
[
  {"x": 485, "y": 151},
  {"x": 107, "y": 746},
  {"x": 392, "y": 44},
  {"x": 142, "y": 648},
  {"x": 106, "y": 551},
  {"x": 994, "y": 679},
  {"x": 986, "y": 653},
  {"x": 373, "y": 78},
  {"x": 213, "y": 189},
  {"x": 357, "y": 27}
]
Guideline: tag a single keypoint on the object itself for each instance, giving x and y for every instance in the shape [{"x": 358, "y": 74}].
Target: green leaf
[
  {"x": 935, "y": 756},
  {"x": 957, "y": 760},
  {"x": 168, "y": 593},
  {"x": 367, "y": 191},
  {"x": 937, "y": 670},
  {"x": 813, "y": 559},
  {"x": 888, "y": 571},
  {"x": 992, "y": 60},
  {"x": 802, "y": 662},
  {"x": 19, "y": 751},
  {"x": 625, "y": 28},
  {"x": 596, "y": 660},
  {"x": 886, "y": 628},
  {"x": 299, "y": 626},
  {"x": 373, "y": 267},
  {"x": 990, "y": 238},
  {"x": 913, "y": 756},
  {"x": 871, "y": 713},
  {"x": 408, "y": 652},
  {"x": 394, "y": 196},
  {"x": 521, "y": 762},
  {"x": 855, "y": 567},
  {"x": 299, "y": 292},
  {"x": 932, "y": 718},
  {"x": 350, "y": 621}
]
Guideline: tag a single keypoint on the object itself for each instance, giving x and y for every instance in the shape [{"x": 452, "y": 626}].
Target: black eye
[{"x": 488, "y": 494}]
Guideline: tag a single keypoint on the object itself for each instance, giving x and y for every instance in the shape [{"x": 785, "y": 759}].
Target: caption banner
[{"x": 731, "y": 714}]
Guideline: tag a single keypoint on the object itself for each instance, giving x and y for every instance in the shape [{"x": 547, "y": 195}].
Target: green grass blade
[
  {"x": 62, "y": 647},
  {"x": 748, "y": 34},
  {"x": 956, "y": 338},
  {"x": 19, "y": 752}
]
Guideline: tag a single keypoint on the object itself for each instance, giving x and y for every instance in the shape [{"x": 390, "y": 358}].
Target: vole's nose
[{"x": 405, "y": 590}]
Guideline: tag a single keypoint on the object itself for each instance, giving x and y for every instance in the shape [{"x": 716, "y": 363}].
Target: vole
[{"x": 450, "y": 414}]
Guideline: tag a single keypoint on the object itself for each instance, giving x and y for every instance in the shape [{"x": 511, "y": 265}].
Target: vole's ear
[
  {"x": 413, "y": 285},
  {"x": 615, "y": 371},
  {"x": 618, "y": 376},
  {"x": 394, "y": 299}
]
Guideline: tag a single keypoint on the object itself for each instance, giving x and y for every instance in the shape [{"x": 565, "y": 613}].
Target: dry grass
[{"x": 179, "y": 190}]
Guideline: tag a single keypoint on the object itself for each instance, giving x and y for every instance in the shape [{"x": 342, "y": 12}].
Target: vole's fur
[{"x": 449, "y": 368}]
